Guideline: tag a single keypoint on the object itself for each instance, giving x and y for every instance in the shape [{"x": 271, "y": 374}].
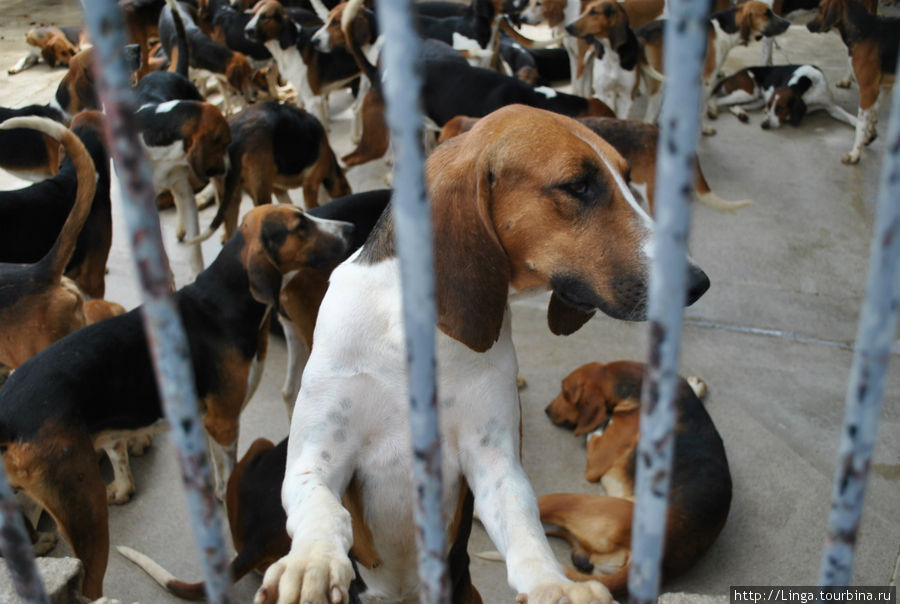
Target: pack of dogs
[{"x": 232, "y": 99}]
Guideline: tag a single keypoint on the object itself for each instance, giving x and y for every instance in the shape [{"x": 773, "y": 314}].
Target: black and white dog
[{"x": 787, "y": 92}]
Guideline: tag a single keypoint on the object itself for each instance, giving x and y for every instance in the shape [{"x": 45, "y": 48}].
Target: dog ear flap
[
  {"x": 591, "y": 414},
  {"x": 745, "y": 23},
  {"x": 260, "y": 256},
  {"x": 563, "y": 319},
  {"x": 798, "y": 110},
  {"x": 618, "y": 33},
  {"x": 472, "y": 271}
]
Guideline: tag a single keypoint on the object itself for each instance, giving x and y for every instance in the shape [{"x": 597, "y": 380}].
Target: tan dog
[
  {"x": 604, "y": 402},
  {"x": 55, "y": 45}
]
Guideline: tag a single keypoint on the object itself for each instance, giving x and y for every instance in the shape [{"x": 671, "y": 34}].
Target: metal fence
[{"x": 686, "y": 31}]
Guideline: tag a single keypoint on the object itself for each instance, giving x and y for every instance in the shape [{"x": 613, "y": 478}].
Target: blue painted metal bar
[
  {"x": 16, "y": 548},
  {"x": 684, "y": 49},
  {"x": 865, "y": 390},
  {"x": 165, "y": 333},
  {"x": 412, "y": 222}
]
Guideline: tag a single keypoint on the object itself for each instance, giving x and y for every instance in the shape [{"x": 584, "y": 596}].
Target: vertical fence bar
[
  {"x": 16, "y": 548},
  {"x": 165, "y": 333},
  {"x": 865, "y": 389},
  {"x": 684, "y": 49},
  {"x": 412, "y": 222}
]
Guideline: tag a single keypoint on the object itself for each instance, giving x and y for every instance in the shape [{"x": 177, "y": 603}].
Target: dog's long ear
[
  {"x": 564, "y": 319},
  {"x": 797, "y": 108},
  {"x": 745, "y": 23},
  {"x": 472, "y": 271},
  {"x": 618, "y": 33},
  {"x": 591, "y": 413},
  {"x": 260, "y": 256}
]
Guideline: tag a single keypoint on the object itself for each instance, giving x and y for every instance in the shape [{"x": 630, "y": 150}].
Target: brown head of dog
[
  {"x": 56, "y": 49},
  {"x": 536, "y": 216},
  {"x": 602, "y": 19},
  {"x": 597, "y": 394}
]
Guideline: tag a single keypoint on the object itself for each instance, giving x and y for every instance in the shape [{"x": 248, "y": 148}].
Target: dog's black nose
[{"x": 698, "y": 283}]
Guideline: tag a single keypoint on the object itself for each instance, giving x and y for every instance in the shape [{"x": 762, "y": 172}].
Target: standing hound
[
  {"x": 97, "y": 386},
  {"x": 313, "y": 74},
  {"x": 275, "y": 148},
  {"x": 727, "y": 28},
  {"x": 32, "y": 217},
  {"x": 76, "y": 91},
  {"x": 38, "y": 305},
  {"x": 788, "y": 92},
  {"x": 56, "y": 45},
  {"x": 526, "y": 199},
  {"x": 872, "y": 42},
  {"x": 185, "y": 140},
  {"x": 603, "y": 401}
]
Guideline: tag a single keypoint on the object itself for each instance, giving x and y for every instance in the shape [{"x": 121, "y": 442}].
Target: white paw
[
  {"x": 321, "y": 575},
  {"x": 851, "y": 158},
  {"x": 587, "y": 592},
  {"x": 118, "y": 495}
]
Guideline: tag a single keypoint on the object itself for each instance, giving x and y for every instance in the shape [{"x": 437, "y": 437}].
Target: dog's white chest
[{"x": 355, "y": 395}]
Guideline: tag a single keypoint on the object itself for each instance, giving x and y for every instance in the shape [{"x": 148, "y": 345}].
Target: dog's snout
[
  {"x": 698, "y": 283},
  {"x": 570, "y": 29}
]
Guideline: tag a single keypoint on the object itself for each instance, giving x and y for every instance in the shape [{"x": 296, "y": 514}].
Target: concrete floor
[{"x": 772, "y": 339}]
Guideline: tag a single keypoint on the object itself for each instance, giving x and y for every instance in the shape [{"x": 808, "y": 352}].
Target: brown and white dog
[
  {"x": 81, "y": 380},
  {"x": 728, "y": 28},
  {"x": 38, "y": 305},
  {"x": 527, "y": 199},
  {"x": 312, "y": 73},
  {"x": 56, "y": 45},
  {"x": 603, "y": 401},
  {"x": 637, "y": 142},
  {"x": 185, "y": 141},
  {"x": 872, "y": 42},
  {"x": 275, "y": 148}
]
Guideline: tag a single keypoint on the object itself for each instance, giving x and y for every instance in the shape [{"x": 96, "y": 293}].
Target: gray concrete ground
[{"x": 771, "y": 337}]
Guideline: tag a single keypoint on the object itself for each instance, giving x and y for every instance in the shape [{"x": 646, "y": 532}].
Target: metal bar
[
  {"x": 16, "y": 548},
  {"x": 865, "y": 390},
  {"x": 684, "y": 50},
  {"x": 412, "y": 222},
  {"x": 165, "y": 334}
]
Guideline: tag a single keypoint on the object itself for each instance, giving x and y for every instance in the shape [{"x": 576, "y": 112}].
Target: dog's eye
[{"x": 578, "y": 189}]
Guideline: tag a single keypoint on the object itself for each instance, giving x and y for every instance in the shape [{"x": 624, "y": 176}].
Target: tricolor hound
[{"x": 527, "y": 200}]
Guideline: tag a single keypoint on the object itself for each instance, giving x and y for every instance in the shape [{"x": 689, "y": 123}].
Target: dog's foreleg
[
  {"x": 26, "y": 62},
  {"x": 841, "y": 114},
  {"x": 356, "y": 127},
  {"x": 317, "y": 568},
  {"x": 859, "y": 138},
  {"x": 119, "y": 491},
  {"x": 298, "y": 354},
  {"x": 507, "y": 506}
]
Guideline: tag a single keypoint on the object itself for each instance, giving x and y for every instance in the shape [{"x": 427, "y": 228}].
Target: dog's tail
[
  {"x": 229, "y": 198},
  {"x": 175, "y": 586},
  {"x": 181, "y": 41},
  {"x": 55, "y": 261},
  {"x": 705, "y": 196}
]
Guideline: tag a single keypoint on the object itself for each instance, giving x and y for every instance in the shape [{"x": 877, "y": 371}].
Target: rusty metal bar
[
  {"x": 412, "y": 221},
  {"x": 165, "y": 334},
  {"x": 865, "y": 389},
  {"x": 684, "y": 49},
  {"x": 16, "y": 548}
]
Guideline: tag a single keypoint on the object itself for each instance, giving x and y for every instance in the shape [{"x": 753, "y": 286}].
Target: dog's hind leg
[{"x": 60, "y": 472}]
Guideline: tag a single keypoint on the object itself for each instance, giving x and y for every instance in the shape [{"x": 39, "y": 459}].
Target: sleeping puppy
[
  {"x": 55, "y": 45},
  {"x": 603, "y": 401}
]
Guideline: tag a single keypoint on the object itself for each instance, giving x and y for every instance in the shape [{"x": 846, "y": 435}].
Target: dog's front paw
[
  {"x": 851, "y": 158},
  {"x": 845, "y": 83},
  {"x": 117, "y": 494},
  {"x": 587, "y": 592},
  {"x": 322, "y": 575}
]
